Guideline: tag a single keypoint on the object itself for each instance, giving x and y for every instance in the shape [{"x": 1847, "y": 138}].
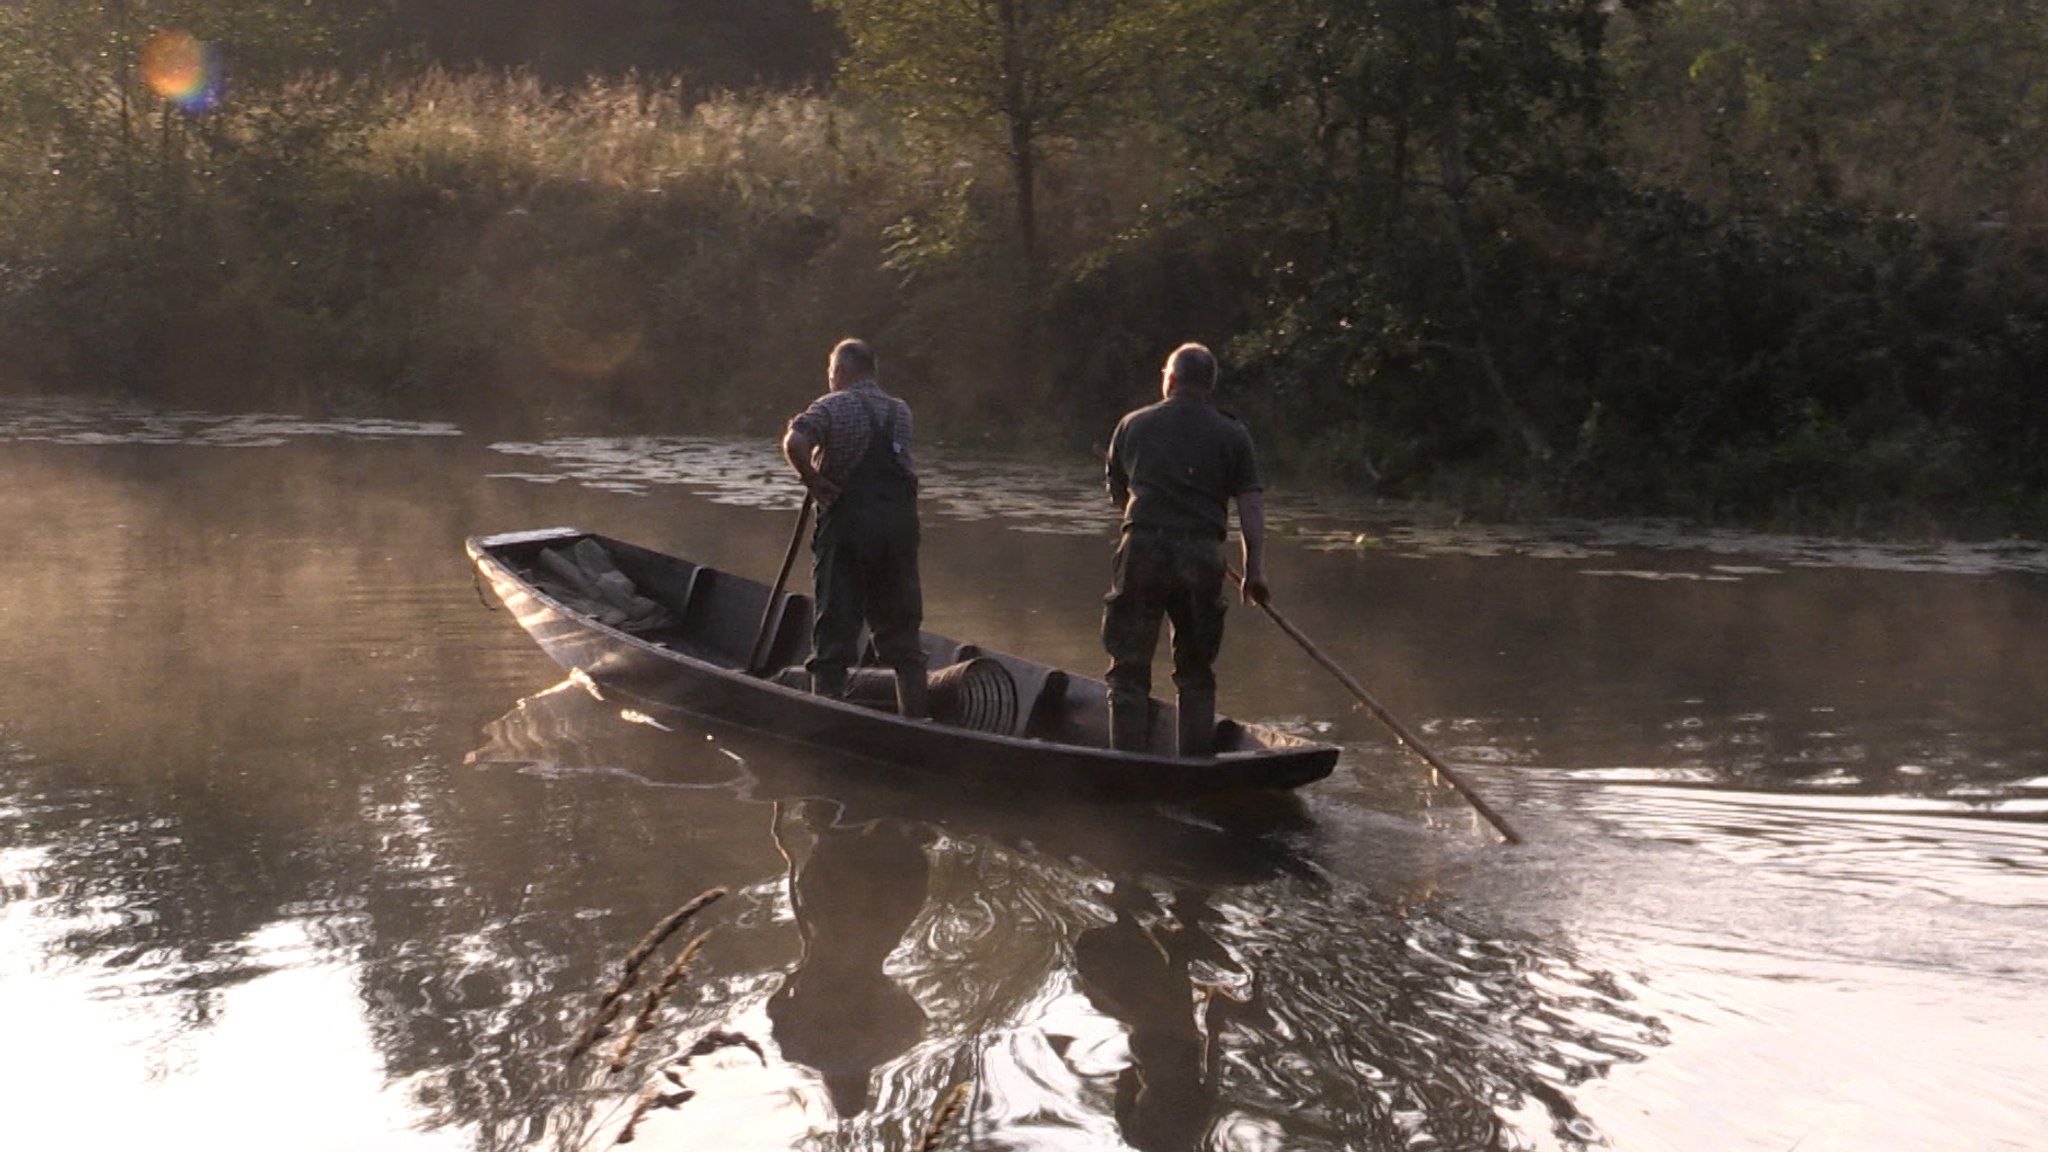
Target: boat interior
[{"x": 716, "y": 618}]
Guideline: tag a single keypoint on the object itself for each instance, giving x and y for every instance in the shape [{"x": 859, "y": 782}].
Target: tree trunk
[
  {"x": 1456, "y": 187},
  {"x": 1024, "y": 172},
  {"x": 1533, "y": 440},
  {"x": 1022, "y": 122},
  {"x": 1023, "y": 127}
]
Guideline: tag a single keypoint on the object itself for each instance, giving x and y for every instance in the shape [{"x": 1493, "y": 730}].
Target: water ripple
[
  {"x": 1065, "y": 497},
  {"x": 1044, "y": 496},
  {"x": 66, "y": 420},
  {"x": 749, "y": 474}
]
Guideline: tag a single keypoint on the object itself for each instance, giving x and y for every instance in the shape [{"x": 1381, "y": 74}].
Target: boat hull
[{"x": 695, "y": 666}]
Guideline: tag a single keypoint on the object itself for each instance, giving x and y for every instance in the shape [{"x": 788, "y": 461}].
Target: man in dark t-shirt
[{"x": 1174, "y": 467}]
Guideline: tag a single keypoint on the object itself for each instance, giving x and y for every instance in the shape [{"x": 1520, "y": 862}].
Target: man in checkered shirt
[{"x": 851, "y": 448}]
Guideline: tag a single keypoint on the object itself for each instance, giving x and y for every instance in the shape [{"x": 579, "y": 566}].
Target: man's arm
[
  {"x": 1251, "y": 524},
  {"x": 1114, "y": 477},
  {"x": 800, "y": 452}
]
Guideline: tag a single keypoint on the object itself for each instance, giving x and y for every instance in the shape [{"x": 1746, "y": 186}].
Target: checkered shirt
[{"x": 838, "y": 422}]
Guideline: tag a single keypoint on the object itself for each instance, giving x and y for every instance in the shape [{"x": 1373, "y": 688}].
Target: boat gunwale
[{"x": 1271, "y": 743}]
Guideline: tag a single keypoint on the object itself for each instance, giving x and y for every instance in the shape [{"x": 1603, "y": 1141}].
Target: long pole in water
[
  {"x": 781, "y": 578},
  {"x": 1399, "y": 729}
]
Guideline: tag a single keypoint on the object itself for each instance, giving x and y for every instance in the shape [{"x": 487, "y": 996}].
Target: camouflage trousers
[{"x": 1179, "y": 578}]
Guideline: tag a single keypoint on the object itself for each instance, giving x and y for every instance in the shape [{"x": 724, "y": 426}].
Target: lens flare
[{"x": 183, "y": 69}]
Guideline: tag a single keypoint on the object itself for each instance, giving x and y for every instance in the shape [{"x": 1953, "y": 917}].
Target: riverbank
[{"x": 1647, "y": 311}]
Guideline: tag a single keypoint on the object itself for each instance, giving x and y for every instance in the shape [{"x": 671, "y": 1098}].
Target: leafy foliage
[
  {"x": 161, "y": 149},
  {"x": 1010, "y": 76},
  {"x": 1398, "y": 163}
]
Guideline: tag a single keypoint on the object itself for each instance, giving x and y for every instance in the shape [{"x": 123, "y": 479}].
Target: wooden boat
[{"x": 674, "y": 634}]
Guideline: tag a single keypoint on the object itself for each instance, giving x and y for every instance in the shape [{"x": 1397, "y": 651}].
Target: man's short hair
[
  {"x": 855, "y": 356},
  {"x": 1194, "y": 365}
]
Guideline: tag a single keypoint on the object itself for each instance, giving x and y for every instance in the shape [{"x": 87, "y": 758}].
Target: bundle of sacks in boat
[{"x": 585, "y": 579}]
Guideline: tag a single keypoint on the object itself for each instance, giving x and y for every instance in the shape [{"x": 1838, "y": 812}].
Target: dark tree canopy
[{"x": 714, "y": 44}]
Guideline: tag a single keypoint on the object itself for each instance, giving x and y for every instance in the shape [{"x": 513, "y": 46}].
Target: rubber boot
[
  {"x": 913, "y": 694},
  {"x": 1130, "y": 723},
  {"x": 831, "y": 684},
  {"x": 1197, "y": 731}
]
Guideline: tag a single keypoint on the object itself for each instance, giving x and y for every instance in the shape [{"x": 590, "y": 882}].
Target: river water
[{"x": 307, "y": 846}]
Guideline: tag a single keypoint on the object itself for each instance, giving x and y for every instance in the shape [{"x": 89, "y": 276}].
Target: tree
[
  {"x": 1916, "y": 105},
  {"x": 1012, "y": 75},
  {"x": 1398, "y": 162},
  {"x": 118, "y": 92},
  {"x": 152, "y": 144}
]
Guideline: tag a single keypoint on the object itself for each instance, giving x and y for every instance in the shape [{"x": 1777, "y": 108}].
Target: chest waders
[{"x": 866, "y": 571}]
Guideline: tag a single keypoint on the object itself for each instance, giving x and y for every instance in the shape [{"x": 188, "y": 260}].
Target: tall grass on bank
[
  {"x": 464, "y": 241},
  {"x": 616, "y": 248},
  {"x": 504, "y": 137},
  {"x": 615, "y": 252}
]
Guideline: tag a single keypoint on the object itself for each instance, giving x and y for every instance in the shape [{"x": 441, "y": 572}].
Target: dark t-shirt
[{"x": 1176, "y": 465}]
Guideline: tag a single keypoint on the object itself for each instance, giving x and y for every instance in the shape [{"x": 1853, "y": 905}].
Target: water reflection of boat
[
  {"x": 1152, "y": 976},
  {"x": 681, "y": 635},
  {"x": 1228, "y": 838}
]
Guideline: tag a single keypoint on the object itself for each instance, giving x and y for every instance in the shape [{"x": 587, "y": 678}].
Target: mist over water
[{"x": 297, "y": 826}]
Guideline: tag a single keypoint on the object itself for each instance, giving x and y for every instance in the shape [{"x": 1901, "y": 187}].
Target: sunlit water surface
[{"x": 306, "y": 846}]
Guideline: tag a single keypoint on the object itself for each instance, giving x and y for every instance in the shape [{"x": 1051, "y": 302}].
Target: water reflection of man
[
  {"x": 838, "y": 1012},
  {"x": 1140, "y": 976}
]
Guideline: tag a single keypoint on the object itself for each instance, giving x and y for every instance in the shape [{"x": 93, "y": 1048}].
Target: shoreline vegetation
[{"x": 1777, "y": 266}]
